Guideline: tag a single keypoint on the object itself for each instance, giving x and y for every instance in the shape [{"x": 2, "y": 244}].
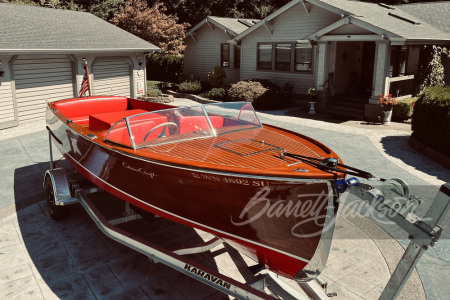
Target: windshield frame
[{"x": 201, "y": 108}]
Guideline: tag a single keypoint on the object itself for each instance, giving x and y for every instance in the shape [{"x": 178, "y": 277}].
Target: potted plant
[
  {"x": 387, "y": 104},
  {"x": 312, "y": 94}
]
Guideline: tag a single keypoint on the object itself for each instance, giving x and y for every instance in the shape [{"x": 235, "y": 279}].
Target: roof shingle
[{"x": 31, "y": 28}]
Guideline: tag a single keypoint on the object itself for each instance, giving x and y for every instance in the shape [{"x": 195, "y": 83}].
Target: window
[
  {"x": 265, "y": 57},
  {"x": 283, "y": 57},
  {"x": 225, "y": 55},
  {"x": 237, "y": 56},
  {"x": 303, "y": 57}
]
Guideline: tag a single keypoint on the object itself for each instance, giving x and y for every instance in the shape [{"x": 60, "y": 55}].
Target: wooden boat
[{"x": 266, "y": 191}]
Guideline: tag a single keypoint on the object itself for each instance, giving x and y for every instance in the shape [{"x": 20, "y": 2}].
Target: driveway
[{"x": 73, "y": 259}]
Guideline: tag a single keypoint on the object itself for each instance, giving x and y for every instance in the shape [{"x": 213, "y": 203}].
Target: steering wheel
[{"x": 163, "y": 132}]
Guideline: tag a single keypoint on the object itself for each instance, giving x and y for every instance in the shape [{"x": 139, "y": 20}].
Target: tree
[
  {"x": 434, "y": 70},
  {"x": 152, "y": 25}
]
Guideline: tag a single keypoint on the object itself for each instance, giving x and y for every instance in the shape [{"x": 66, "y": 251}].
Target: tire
[
  {"x": 57, "y": 212},
  {"x": 147, "y": 216}
]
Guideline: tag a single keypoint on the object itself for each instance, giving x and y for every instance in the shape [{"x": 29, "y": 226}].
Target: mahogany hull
[{"x": 277, "y": 221}]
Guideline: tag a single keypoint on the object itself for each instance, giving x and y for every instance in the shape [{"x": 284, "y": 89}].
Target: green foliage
[
  {"x": 246, "y": 91},
  {"x": 431, "y": 118},
  {"x": 217, "y": 76},
  {"x": 215, "y": 94},
  {"x": 152, "y": 92},
  {"x": 190, "y": 87},
  {"x": 165, "y": 67},
  {"x": 262, "y": 93},
  {"x": 435, "y": 70},
  {"x": 152, "y": 24},
  {"x": 403, "y": 110},
  {"x": 287, "y": 90},
  {"x": 194, "y": 11}
]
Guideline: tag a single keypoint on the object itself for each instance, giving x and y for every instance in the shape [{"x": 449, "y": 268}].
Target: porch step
[{"x": 347, "y": 107}]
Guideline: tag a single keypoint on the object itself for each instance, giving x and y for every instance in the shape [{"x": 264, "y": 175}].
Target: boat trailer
[{"x": 63, "y": 189}]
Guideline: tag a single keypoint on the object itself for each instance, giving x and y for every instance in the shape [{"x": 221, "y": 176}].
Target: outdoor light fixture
[{"x": 1, "y": 73}]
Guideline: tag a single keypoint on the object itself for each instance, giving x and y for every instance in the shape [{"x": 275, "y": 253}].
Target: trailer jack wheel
[{"x": 57, "y": 212}]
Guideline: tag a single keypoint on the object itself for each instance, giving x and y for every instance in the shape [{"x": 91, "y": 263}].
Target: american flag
[{"x": 84, "y": 85}]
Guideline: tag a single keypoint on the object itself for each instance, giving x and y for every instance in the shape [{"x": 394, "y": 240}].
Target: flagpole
[{"x": 87, "y": 75}]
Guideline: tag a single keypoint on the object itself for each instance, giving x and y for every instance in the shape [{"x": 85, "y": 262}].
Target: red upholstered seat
[
  {"x": 79, "y": 109},
  {"x": 104, "y": 121},
  {"x": 195, "y": 123},
  {"x": 139, "y": 131}
]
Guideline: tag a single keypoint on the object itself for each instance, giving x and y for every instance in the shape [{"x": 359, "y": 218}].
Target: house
[
  {"x": 42, "y": 52},
  {"x": 208, "y": 45},
  {"x": 350, "y": 51}
]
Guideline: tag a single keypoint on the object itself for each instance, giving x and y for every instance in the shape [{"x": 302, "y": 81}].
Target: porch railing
[{"x": 400, "y": 87}]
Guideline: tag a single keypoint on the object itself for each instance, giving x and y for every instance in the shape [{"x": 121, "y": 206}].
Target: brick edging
[{"x": 434, "y": 154}]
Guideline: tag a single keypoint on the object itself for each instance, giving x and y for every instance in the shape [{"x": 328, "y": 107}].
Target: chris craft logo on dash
[{"x": 139, "y": 170}]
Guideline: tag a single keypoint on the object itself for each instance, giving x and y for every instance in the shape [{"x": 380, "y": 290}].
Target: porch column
[
  {"x": 381, "y": 70},
  {"x": 322, "y": 65}
]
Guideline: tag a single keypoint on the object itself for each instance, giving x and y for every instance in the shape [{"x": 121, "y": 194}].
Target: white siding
[
  {"x": 202, "y": 56},
  {"x": 6, "y": 104},
  {"x": 111, "y": 77},
  {"x": 290, "y": 26},
  {"x": 7, "y": 115},
  {"x": 38, "y": 80}
]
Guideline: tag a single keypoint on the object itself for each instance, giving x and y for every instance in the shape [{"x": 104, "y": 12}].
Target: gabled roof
[
  {"x": 392, "y": 22},
  {"x": 232, "y": 26},
  {"x": 34, "y": 29},
  {"x": 434, "y": 13},
  {"x": 390, "y": 19}
]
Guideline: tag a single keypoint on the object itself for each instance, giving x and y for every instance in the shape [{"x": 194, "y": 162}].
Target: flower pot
[
  {"x": 387, "y": 111},
  {"x": 311, "y": 107}
]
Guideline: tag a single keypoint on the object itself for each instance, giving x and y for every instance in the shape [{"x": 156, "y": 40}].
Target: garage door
[
  {"x": 112, "y": 77},
  {"x": 38, "y": 80}
]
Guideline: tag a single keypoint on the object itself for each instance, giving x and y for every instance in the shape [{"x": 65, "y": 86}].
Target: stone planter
[
  {"x": 387, "y": 113},
  {"x": 158, "y": 99},
  {"x": 311, "y": 107}
]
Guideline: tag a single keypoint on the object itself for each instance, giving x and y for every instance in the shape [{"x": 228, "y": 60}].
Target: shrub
[
  {"x": 403, "y": 110},
  {"x": 215, "y": 94},
  {"x": 152, "y": 92},
  {"x": 246, "y": 91},
  {"x": 217, "y": 76},
  {"x": 190, "y": 87},
  {"x": 431, "y": 118},
  {"x": 261, "y": 92},
  {"x": 165, "y": 67}
]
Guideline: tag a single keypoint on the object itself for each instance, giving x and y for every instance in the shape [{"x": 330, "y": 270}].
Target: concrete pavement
[{"x": 73, "y": 259}]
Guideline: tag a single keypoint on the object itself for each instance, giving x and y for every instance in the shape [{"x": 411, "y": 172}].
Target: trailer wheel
[
  {"x": 57, "y": 212},
  {"x": 147, "y": 216}
]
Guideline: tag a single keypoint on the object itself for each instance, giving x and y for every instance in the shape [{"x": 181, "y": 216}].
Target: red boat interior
[{"x": 100, "y": 114}]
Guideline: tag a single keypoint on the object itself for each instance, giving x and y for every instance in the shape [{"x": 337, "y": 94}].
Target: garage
[
  {"x": 39, "y": 79},
  {"x": 43, "y": 61},
  {"x": 111, "y": 77}
]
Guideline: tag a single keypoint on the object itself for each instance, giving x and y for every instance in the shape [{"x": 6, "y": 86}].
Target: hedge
[
  {"x": 403, "y": 110},
  {"x": 262, "y": 93},
  {"x": 165, "y": 67},
  {"x": 431, "y": 118}
]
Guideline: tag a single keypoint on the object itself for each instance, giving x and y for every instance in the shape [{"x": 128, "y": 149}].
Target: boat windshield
[{"x": 182, "y": 124}]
